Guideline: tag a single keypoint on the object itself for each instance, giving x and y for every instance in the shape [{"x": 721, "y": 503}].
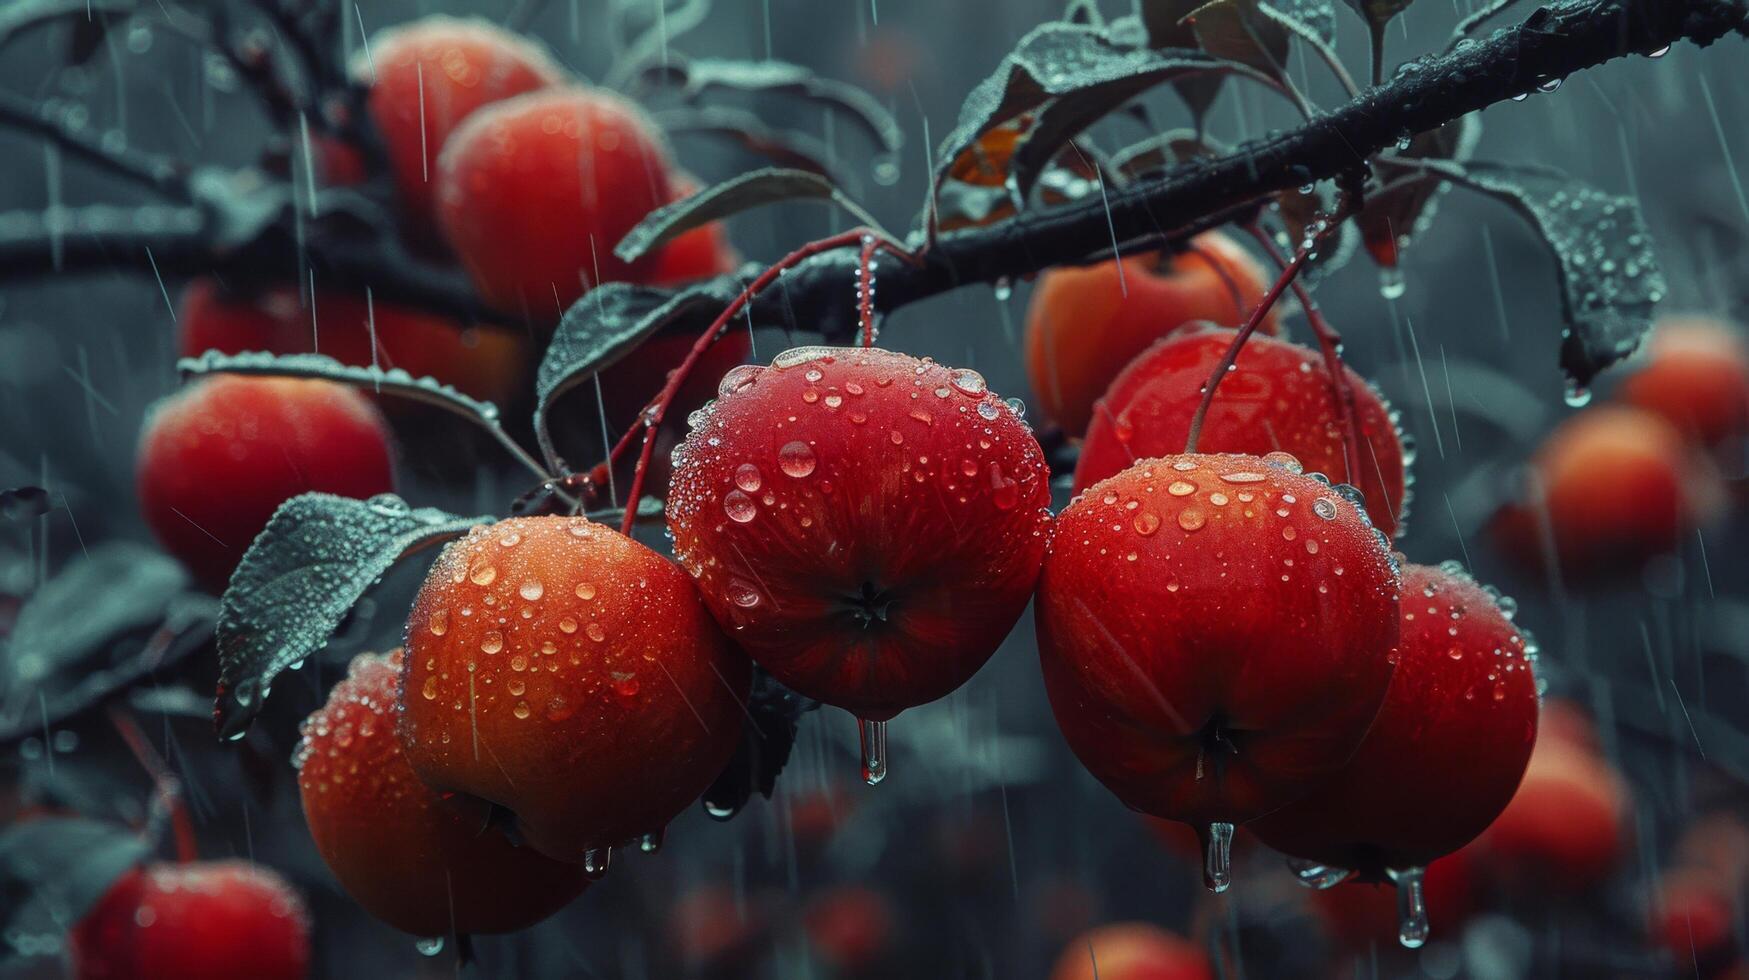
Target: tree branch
[{"x": 1552, "y": 42}]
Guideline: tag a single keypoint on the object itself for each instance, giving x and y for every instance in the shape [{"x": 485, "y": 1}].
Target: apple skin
[
  {"x": 205, "y": 920},
  {"x": 1195, "y": 596},
  {"x": 397, "y": 848},
  {"x": 535, "y": 191},
  {"x": 1084, "y": 324},
  {"x": 866, "y": 525},
  {"x": 216, "y": 460},
  {"x": 571, "y": 675},
  {"x": 1447, "y": 750},
  {"x": 1618, "y": 486},
  {"x": 1131, "y": 951},
  {"x": 1277, "y": 398},
  {"x": 1696, "y": 378},
  {"x": 1564, "y": 831},
  {"x": 462, "y": 64}
]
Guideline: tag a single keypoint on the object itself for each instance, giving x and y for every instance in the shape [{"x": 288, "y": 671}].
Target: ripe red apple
[
  {"x": 1131, "y": 951},
  {"x": 1693, "y": 918},
  {"x": 1615, "y": 486},
  {"x": 1697, "y": 379},
  {"x": 397, "y": 848},
  {"x": 207, "y": 920},
  {"x": 1217, "y": 633},
  {"x": 1446, "y": 751},
  {"x": 866, "y": 525},
  {"x": 534, "y": 192},
  {"x": 484, "y": 363},
  {"x": 1084, "y": 324},
  {"x": 426, "y": 76},
  {"x": 569, "y": 674},
  {"x": 1278, "y": 398},
  {"x": 218, "y": 458},
  {"x": 1564, "y": 829}
]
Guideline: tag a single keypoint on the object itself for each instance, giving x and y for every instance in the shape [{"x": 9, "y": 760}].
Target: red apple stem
[
  {"x": 865, "y": 289},
  {"x": 167, "y": 789},
  {"x": 1288, "y": 272},
  {"x": 1330, "y": 343},
  {"x": 650, "y": 419},
  {"x": 1224, "y": 275}
]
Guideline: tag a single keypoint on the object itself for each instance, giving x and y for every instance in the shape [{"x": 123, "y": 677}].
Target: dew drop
[
  {"x": 531, "y": 590},
  {"x": 747, "y": 477},
  {"x": 439, "y": 624},
  {"x": 595, "y": 632},
  {"x": 585, "y": 591},
  {"x": 739, "y": 507},
  {"x": 873, "y": 738},
  {"x": 1146, "y": 523},
  {"x": 492, "y": 642},
  {"x": 1191, "y": 519},
  {"x": 1217, "y": 861},
  {"x": 797, "y": 460}
]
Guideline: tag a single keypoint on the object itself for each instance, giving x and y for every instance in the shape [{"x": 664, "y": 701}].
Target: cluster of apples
[
  {"x": 1671, "y": 444},
  {"x": 500, "y": 162}
]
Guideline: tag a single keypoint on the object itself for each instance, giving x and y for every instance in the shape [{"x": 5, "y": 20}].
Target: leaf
[
  {"x": 316, "y": 557},
  {"x": 102, "y": 624},
  {"x": 53, "y": 870},
  {"x": 1610, "y": 279},
  {"x": 392, "y": 381},
  {"x": 609, "y": 323},
  {"x": 1083, "y": 72},
  {"x": 731, "y": 197},
  {"x": 1405, "y": 206},
  {"x": 786, "y": 148},
  {"x": 767, "y": 738},
  {"x": 781, "y": 77},
  {"x": 1163, "y": 21},
  {"x": 1238, "y": 31}
]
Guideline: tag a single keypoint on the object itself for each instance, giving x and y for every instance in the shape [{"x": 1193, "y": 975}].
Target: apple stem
[
  {"x": 873, "y": 737},
  {"x": 1221, "y": 273},
  {"x": 650, "y": 419},
  {"x": 1330, "y": 343},
  {"x": 167, "y": 789},
  {"x": 865, "y": 289},
  {"x": 1217, "y": 860},
  {"x": 1411, "y": 906},
  {"x": 1288, "y": 273},
  {"x": 596, "y": 860}
]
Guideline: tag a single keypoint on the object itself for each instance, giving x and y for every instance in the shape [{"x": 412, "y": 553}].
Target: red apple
[{"x": 1131, "y": 951}]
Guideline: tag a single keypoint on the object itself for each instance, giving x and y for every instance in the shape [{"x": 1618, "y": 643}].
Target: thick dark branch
[{"x": 818, "y": 295}]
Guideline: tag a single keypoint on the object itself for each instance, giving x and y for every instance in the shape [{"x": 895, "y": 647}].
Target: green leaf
[
  {"x": 392, "y": 381},
  {"x": 608, "y": 324},
  {"x": 731, "y": 197},
  {"x": 315, "y": 559},
  {"x": 53, "y": 870},
  {"x": 1610, "y": 280},
  {"x": 698, "y": 75}
]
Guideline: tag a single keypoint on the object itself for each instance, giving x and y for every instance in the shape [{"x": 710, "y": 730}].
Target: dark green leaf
[
  {"x": 1089, "y": 70},
  {"x": 53, "y": 870},
  {"x": 786, "y": 148},
  {"x": 1237, "y": 30},
  {"x": 731, "y": 197},
  {"x": 102, "y": 623},
  {"x": 315, "y": 559},
  {"x": 391, "y": 381},
  {"x": 609, "y": 323},
  {"x": 241, "y": 204},
  {"x": 781, "y": 77},
  {"x": 1610, "y": 280},
  {"x": 767, "y": 737},
  {"x": 1163, "y": 21}
]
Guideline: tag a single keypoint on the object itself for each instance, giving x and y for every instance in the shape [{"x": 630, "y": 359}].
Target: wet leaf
[
  {"x": 768, "y": 735},
  {"x": 781, "y": 77},
  {"x": 1080, "y": 72},
  {"x": 1406, "y": 204},
  {"x": 786, "y": 148},
  {"x": 731, "y": 197},
  {"x": 101, "y": 625},
  {"x": 1163, "y": 22},
  {"x": 53, "y": 870},
  {"x": 609, "y": 323},
  {"x": 299, "y": 578},
  {"x": 392, "y": 381},
  {"x": 1239, "y": 31},
  {"x": 1610, "y": 280}
]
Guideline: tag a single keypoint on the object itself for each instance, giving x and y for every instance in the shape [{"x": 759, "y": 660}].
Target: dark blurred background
[{"x": 989, "y": 847}]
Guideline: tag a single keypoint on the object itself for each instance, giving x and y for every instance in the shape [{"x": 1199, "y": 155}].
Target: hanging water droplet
[
  {"x": 1411, "y": 906},
  {"x": 1003, "y": 288},
  {"x": 429, "y": 946},
  {"x": 1217, "y": 861},
  {"x": 596, "y": 860},
  {"x": 1520, "y": 97},
  {"x": 1577, "y": 395},
  {"x": 1317, "y": 876},
  {"x": 1549, "y": 85},
  {"x": 1392, "y": 285},
  {"x": 796, "y": 459},
  {"x": 873, "y": 736},
  {"x": 1661, "y": 52},
  {"x": 651, "y": 842}
]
